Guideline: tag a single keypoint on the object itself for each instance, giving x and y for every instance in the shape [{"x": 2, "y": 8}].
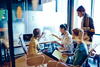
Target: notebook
[{"x": 59, "y": 56}]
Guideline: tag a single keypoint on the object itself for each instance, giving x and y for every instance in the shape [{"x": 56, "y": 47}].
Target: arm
[
  {"x": 58, "y": 43},
  {"x": 67, "y": 54},
  {"x": 56, "y": 36},
  {"x": 41, "y": 35},
  {"x": 86, "y": 28},
  {"x": 45, "y": 42},
  {"x": 78, "y": 59},
  {"x": 91, "y": 25}
]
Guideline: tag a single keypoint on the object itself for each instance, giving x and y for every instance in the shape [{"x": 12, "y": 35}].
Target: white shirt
[{"x": 66, "y": 40}]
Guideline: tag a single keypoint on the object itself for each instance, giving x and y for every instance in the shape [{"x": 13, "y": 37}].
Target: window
[
  {"x": 48, "y": 18},
  {"x": 96, "y": 16}
]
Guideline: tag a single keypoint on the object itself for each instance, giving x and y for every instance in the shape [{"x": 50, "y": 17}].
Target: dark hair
[
  {"x": 36, "y": 32},
  {"x": 64, "y": 26},
  {"x": 81, "y": 9}
]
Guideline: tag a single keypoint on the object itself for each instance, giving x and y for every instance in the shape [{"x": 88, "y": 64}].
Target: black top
[{"x": 88, "y": 22}]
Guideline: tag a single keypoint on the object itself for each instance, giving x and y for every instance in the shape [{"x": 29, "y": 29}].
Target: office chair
[{"x": 25, "y": 47}]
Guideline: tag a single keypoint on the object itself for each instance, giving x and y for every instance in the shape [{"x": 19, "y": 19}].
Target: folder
[{"x": 59, "y": 56}]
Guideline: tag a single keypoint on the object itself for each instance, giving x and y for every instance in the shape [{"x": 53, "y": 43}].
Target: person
[
  {"x": 87, "y": 23},
  {"x": 33, "y": 56},
  {"x": 80, "y": 54},
  {"x": 66, "y": 38},
  {"x": 81, "y": 51}
]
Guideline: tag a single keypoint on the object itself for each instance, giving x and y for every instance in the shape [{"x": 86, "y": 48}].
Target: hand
[
  {"x": 64, "y": 54},
  {"x": 86, "y": 37},
  {"x": 67, "y": 54},
  {"x": 92, "y": 30},
  {"x": 61, "y": 60},
  {"x": 62, "y": 48},
  {"x": 53, "y": 35},
  {"x": 86, "y": 28}
]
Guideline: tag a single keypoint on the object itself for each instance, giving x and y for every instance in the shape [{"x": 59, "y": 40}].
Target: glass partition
[
  {"x": 27, "y": 15},
  {"x": 48, "y": 17},
  {"x": 96, "y": 16},
  {"x": 30, "y": 14},
  {"x": 5, "y": 59}
]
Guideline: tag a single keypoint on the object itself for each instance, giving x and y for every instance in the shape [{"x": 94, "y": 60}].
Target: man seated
[{"x": 79, "y": 55}]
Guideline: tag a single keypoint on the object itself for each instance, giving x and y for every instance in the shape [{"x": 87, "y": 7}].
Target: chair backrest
[
  {"x": 23, "y": 44},
  {"x": 95, "y": 44},
  {"x": 86, "y": 60}
]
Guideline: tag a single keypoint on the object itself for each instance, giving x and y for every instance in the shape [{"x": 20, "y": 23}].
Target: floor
[{"x": 21, "y": 62}]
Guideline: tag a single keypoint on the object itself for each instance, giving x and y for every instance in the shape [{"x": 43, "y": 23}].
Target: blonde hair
[{"x": 78, "y": 32}]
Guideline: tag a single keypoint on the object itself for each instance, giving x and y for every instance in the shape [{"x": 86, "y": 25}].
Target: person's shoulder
[
  {"x": 68, "y": 34},
  {"x": 82, "y": 44},
  {"x": 32, "y": 39},
  {"x": 90, "y": 18},
  {"x": 87, "y": 16}
]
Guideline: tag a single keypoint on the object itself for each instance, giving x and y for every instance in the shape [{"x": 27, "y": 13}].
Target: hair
[
  {"x": 78, "y": 32},
  {"x": 64, "y": 26},
  {"x": 81, "y": 9},
  {"x": 36, "y": 32}
]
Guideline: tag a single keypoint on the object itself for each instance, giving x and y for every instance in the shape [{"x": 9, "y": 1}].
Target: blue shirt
[{"x": 81, "y": 54}]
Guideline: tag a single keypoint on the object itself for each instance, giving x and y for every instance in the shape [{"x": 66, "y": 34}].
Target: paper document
[{"x": 59, "y": 56}]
